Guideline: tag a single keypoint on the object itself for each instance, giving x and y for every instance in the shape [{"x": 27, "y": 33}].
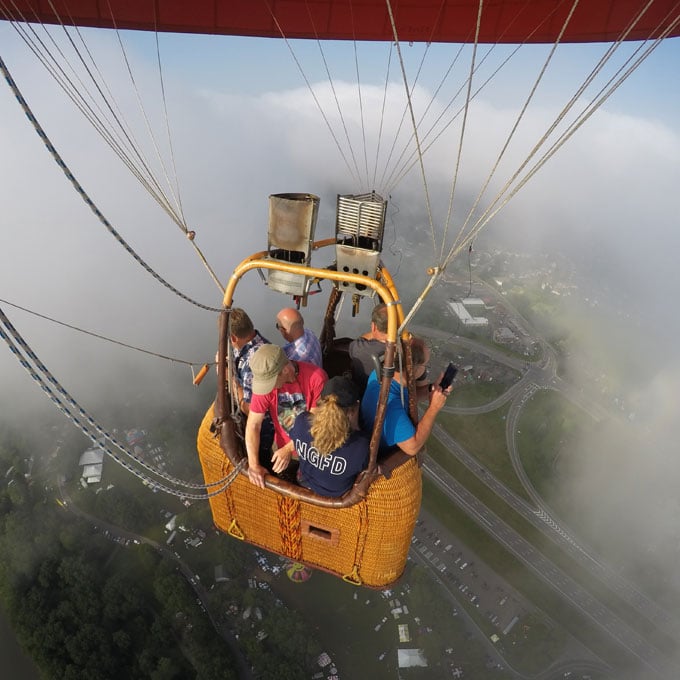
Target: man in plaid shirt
[
  {"x": 302, "y": 344},
  {"x": 245, "y": 340}
]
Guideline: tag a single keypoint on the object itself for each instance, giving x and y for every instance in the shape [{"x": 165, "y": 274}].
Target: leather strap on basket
[{"x": 290, "y": 527}]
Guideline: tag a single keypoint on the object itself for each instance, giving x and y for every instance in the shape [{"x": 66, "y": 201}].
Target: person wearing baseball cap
[
  {"x": 330, "y": 447},
  {"x": 284, "y": 389}
]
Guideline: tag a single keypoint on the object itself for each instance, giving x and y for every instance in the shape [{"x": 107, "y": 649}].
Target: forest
[{"x": 83, "y": 605}]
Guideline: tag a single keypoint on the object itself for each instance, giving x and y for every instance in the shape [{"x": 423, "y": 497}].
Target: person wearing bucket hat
[
  {"x": 284, "y": 389},
  {"x": 330, "y": 447}
]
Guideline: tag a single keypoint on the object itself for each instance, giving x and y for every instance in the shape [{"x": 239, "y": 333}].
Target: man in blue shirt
[
  {"x": 301, "y": 343},
  {"x": 398, "y": 429}
]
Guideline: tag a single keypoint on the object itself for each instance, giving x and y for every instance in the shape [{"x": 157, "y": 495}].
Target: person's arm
[
  {"x": 256, "y": 472},
  {"x": 426, "y": 423},
  {"x": 281, "y": 457},
  {"x": 242, "y": 403}
]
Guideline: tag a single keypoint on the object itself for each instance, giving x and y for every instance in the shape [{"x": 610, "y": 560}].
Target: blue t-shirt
[
  {"x": 333, "y": 474},
  {"x": 397, "y": 426}
]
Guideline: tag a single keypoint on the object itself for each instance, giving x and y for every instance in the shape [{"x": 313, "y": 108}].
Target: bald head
[{"x": 290, "y": 323}]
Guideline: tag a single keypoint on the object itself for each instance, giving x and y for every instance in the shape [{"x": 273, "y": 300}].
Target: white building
[
  {"x": 92, "y": 462},
  {"x": 458, "y": 308},
  {"x": 411, "y": 657}
]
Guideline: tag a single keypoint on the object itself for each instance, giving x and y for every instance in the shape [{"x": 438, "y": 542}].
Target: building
[
  {"x": 458, "y": 308},
  {"x": 407, "y": 658},
  {"x": 404, "y": 635},
  {"x": 92, "y": 462}
]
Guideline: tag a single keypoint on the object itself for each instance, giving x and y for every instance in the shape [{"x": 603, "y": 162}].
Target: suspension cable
[
  {"x": 361, "y": 99},
  {"x": 518, "y": 120},
  {"x": 108, "y": 130},
  {"x": 60, "y": 162},
  {"x": 103, "y": 337},
  {"x": 19, "y": 345},
  {"x": 311, "y": 90},
  {"x": 407, "y": 145},
  {"x": 178, "y": 217},
  {"x": 462, "y": 128},
  {"x": 586, "y": 113},
  {"x": 428, "y": 204},
  {"x": 412, "y": 159},
  {"x": 499, "y": 202},
  {"x": 331, "y": 82},
  {"x": 382, "y": 114},
  {"x": 115, "y": 132}
]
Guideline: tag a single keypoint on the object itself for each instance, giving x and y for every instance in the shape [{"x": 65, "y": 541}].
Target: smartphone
[{"x": 449, "y": 375}]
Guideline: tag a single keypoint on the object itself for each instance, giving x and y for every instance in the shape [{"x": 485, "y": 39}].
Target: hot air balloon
[{"x": 365, "y": 535}]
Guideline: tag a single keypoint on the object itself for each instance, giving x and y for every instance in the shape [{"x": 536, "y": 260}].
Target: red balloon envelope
[{"x": 506, "y": 21}]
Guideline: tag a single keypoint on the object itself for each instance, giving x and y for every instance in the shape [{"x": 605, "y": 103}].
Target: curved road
[
  {"x": 559, "y": 580},
  {"x": 543, "y": 377}
]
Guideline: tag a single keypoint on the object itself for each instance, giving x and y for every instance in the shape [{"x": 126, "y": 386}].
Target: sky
[{"x": 244, "y": 125}]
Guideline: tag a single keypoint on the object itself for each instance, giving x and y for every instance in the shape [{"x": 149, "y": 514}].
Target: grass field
[{"x": 483, "y": 435}]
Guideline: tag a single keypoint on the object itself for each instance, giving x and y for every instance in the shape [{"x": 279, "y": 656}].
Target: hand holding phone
[{"x": 449, "y": 375}]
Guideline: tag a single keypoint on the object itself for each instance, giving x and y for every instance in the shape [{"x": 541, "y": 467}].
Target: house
[
  {"x": 92, "y": 462},
  {"x": 407, "y": 658}
]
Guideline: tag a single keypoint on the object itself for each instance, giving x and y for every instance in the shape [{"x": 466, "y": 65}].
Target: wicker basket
[{"x": 366, "y": 543}]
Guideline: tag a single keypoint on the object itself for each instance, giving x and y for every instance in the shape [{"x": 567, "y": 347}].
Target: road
[
  {"x": 555, "y": 577},
  {"x": 543, "y": 521},
  {"x": 543, "y": 376}
]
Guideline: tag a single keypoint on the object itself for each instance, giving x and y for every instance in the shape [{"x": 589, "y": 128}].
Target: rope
[
  {"x": 311, "y": 90},
  {"x": 462, "y": 127},
  {"x": 102, "y": 337},
  {"x": 415, "y": 81},
  {"x": 83, "y": 194},
  {"x": 63, "y": 398},
  {"x": 428, "y": 205},
  {"x": 407, "y": 145},
  {"x": 361, "y": 99},
  {"x": 179, "y": 217},
  {"x": 360, "y": 545},
  {"x": 335, "y": 94},
  {"x": 119, "y": 137},
  {"x": 382, "y": 115},
  {"x": 612, "y": 84},
  {"x": 412, "y": 160},
  {"x": 516, "y": 124}
]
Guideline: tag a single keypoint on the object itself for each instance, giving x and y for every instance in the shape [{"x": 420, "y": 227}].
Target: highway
[
  {"x": 541, "y": 566},
  {"x": 535, "y": 377},
  {"x": 538, "y": 376},
  {"x": 542, "y": 520}
]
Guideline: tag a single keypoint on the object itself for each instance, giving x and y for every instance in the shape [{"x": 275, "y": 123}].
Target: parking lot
[{"x": 467, "y": 577}]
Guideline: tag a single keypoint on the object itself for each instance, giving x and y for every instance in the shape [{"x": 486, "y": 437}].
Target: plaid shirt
[
  {"x": 242, "y": 359},
  {"x": 305, "y": 348}
]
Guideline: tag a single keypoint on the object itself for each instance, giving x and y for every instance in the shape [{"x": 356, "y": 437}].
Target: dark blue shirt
[{"x": 333, "y": 474}]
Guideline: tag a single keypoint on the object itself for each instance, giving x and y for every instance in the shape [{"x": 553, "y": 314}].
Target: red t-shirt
[{"x": 286, "y": 403}]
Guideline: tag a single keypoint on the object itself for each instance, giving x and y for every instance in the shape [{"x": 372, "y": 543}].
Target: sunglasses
[{"x": 424, "y": 374}]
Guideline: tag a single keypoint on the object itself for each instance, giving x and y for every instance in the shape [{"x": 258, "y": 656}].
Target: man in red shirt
[{"x": 284, "y": 389}]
